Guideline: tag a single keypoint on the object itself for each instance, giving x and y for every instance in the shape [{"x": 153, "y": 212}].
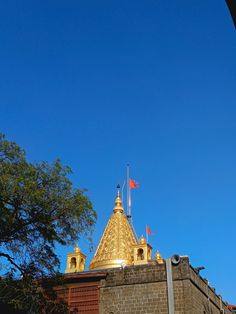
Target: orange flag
[
  {"x": 148, "y": 230},
  {"x": 133, "y": 184}
]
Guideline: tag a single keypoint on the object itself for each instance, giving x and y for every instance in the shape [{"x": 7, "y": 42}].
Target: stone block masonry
[{"x": 143, "y": 290}]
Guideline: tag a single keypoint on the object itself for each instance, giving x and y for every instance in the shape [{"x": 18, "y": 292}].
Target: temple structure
[
  {"x": 75, "y": 261},
  {"x": 118, "y": 246},
  {"x": 124, "y": 278}
]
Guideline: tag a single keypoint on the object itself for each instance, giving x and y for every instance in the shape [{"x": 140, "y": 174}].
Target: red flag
[
  {"x": 148, "y": 230},
  {"x": 133, "y": 184}
]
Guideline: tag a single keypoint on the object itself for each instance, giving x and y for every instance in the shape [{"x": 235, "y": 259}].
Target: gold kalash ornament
[{"x": 116, "y": 247}]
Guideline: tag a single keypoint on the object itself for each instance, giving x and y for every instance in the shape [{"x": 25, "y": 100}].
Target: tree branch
[{"x": 11, "y": 260}]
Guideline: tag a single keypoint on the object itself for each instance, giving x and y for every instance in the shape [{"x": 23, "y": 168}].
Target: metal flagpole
[
  {"x": 128, "y": 210},
  {"x": 122, "y": 192},
  {"x": 146, "y": 234},
  {"x": 128, "y": 194}
]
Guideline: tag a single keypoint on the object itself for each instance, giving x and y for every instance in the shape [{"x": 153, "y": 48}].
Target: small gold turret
[
  {"x": 75, "y": 261},
  {"x": 158, "y": 258},
  {"x": 142, "y": 252}
]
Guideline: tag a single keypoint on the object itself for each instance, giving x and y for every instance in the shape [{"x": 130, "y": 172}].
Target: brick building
[
  {"x": 124, "y": 278},
  {"x": 140, "y": 289}
]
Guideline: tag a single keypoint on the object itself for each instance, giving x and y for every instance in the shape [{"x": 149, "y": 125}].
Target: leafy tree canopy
[{"x": 39, "y": 208}]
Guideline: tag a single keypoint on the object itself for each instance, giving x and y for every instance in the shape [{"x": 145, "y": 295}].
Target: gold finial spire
[
  {"x": 159, "y": 259},
  {"x": 77, "y": 249},
  {"x": 118, "y": 202},
  {"x": 142, "y": 240}
]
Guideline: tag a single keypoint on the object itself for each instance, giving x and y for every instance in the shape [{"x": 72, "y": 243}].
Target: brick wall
[{"x": 140, "y": 289}]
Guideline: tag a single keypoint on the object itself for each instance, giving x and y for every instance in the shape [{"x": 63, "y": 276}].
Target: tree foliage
[
  {"x": 20, "y": 296},
  {"x": 39, "y": 208}
]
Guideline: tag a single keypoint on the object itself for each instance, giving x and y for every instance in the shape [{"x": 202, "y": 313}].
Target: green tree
[{"x": 39, "y": 208}]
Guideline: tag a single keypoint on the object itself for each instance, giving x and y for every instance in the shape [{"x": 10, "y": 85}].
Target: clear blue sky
[{"x": 153, "y": 83}]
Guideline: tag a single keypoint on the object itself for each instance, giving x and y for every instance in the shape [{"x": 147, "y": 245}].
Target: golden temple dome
[{"x": 116, "y": 245}]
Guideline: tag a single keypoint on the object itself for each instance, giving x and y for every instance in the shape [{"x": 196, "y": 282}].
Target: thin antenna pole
[
  {"x": 146, "y": 234},
  {"x": 122, "y": 191}
]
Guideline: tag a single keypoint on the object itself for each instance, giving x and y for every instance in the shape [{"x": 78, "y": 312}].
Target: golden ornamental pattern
[{"x": 116, "y": 245}]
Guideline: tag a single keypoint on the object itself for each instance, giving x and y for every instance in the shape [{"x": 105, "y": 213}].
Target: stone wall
[
  {"x": 137, "y": 299},
  {"x": 204, "y": 298},
  {"x": 143, "y": 289}
]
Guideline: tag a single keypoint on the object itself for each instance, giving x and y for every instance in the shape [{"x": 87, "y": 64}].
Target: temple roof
[{"x": 116, "y": 245}]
